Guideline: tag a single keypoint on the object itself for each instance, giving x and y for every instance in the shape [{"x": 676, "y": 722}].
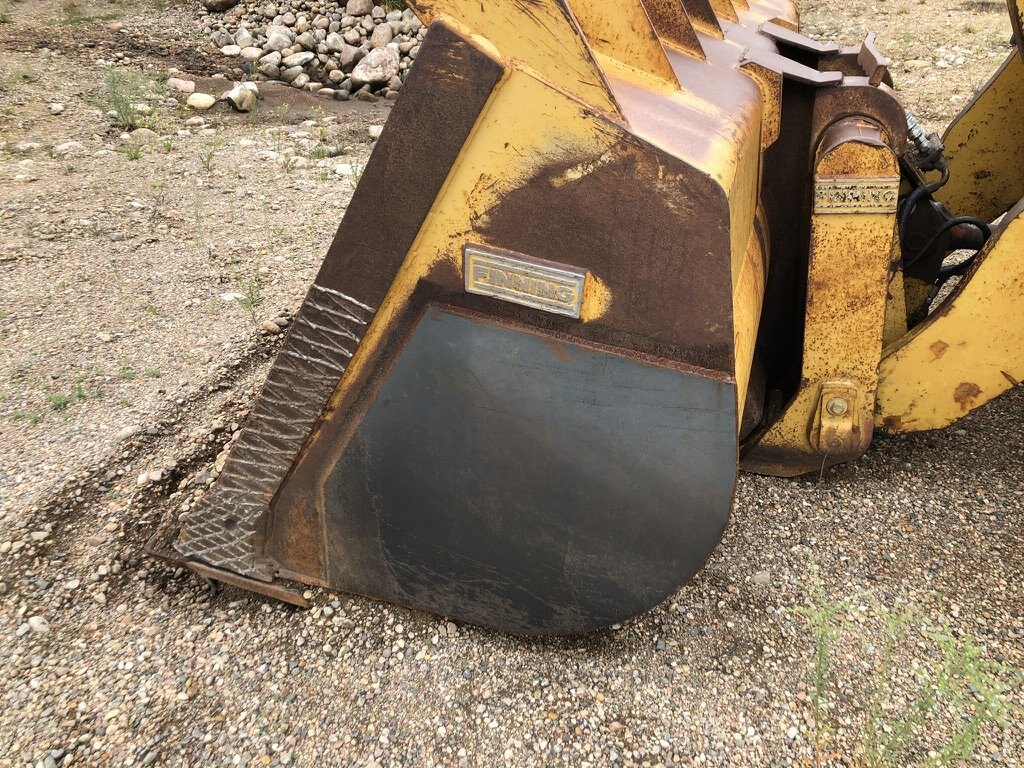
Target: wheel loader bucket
[{"x": 520, "y": 402}]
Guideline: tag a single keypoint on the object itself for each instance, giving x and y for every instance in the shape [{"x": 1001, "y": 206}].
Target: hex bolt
[{"x": 837, "y": 406}]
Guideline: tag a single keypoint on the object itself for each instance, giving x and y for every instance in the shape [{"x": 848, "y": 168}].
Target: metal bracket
[{"x": 834, "y": 432}]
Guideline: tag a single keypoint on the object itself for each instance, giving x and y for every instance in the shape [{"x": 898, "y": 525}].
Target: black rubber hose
[
  {"x": 915, "y": 197},
  {"x": 969, "y": 220}
]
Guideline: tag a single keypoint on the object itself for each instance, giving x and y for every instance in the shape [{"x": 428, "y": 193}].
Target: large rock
[
  {"x": 382, "y": 35},
  {"x": 242, "y": 97},
  {"x": 288, "y": 75},
  {"x": 307, "y": 40},
  {"x": 69, "y": 148},
  {"x": 359, "y": 7},
  {"x": 244, "y": 39},
  {"x": 335, "y": 42},
  {"x": 350, "y": 56},
  {"x": 180, "y": 85},
  {"x": 200, "y": 101},
  {"x": 377, "y": 68},
  {"x": 298, "y": 59},
  {"x": 278, "y": 38},
  {"x": 219, "y": 5}
]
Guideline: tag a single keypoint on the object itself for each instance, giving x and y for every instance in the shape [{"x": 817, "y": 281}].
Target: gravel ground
[{"x": 126, "y": 365}]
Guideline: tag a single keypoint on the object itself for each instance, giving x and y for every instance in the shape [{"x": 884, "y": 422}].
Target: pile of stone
[{"x": 342, "y": 49}]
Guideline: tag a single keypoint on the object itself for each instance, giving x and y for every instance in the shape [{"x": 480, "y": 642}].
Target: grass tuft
[
  {"x": 123, "y": 90},
  {"x": 956, "y": 695}
]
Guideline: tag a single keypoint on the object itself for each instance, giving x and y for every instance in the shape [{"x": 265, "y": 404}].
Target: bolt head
[{"x": 837, "y": 406}]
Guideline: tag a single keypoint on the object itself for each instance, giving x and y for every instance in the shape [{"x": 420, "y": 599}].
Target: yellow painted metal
[
  {"x": 770, "y": 83},
  {"x": 672, "y": 24},
  {"x": 896, "y": 304},
  {"x": 985, "y": 146},
  {"x": 539, "y": 114},
  {"x": 547, "y": 38},
  {"x": 725, "y": 10},
  {"x": 748, "y": 298},
  {"x": 703, "y": 18},
  {"x": 623, "y": 31},
  {"x": 968, "y": 351},
  {"x": 857, "y": 176}
]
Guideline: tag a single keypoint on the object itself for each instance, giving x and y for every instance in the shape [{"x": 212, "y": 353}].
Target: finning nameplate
[
  {"x": 521, "y": 279},
  {"x": 846, "y": 195}
]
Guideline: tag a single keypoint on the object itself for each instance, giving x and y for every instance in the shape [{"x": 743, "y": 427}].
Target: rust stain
[
  {"x": 559, "y": 349},
  {"x": 965, "y": 394},
  {"x": 938, "y": 349},
  {"x": 892, "y": 423}
]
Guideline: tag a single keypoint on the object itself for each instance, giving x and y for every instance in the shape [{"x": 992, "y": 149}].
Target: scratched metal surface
[
  {"x": 520, "y": 481},
  {"x": 324, "y": 337}
]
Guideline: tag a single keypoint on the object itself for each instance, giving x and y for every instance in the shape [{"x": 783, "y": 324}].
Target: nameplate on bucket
[{"x": 522, "y": 279}]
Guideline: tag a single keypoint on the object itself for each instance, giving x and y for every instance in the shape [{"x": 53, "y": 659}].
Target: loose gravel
[{"x": 128, "y": 359}]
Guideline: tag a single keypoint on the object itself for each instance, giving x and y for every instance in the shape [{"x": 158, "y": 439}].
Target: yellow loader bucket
[{"x": 645, "y": 240}]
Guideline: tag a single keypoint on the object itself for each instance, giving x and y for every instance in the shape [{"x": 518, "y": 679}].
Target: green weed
[
  {"x": 250, "y": 286},
  {"x": 123, "y": 90},
  {"x": 132, "y": 151},
  {"x": 59, "y": 401},
  {"x": 206, "y": 159},
  {"x": 956, "y": 694}
]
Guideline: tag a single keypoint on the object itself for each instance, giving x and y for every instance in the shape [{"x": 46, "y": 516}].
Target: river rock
[
  {"x": 382, "y": 35},
  {"x": 200, "y": 101},
  {"x": 335, "y": 43},
  {"x": 242, "y": 97},
  {"x": 278, "y": 38},
  {"x": 359, "y": 7},
  {"x": 243, "y": 38},
  {"x": 377, "y": 67},
  {"x": 180, "y": 85},
  {"x": 298, "y": 59}
]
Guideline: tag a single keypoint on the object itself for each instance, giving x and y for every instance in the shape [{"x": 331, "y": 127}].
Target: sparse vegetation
[
  {"x": 357, "y": 175},
  {"x": 124, "y": 91},
  {"x": 132, "y": 151},
  {"x": 33, "y": 417},
  {"x": 949, "y": 694},
  {"x": 59, "y": 401},
  {"x": 250, "y": 289},
  {"x": 206, "y": 158},
  {"x": 126, "y": 373},
  {"x": 75, "y": 13}
]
